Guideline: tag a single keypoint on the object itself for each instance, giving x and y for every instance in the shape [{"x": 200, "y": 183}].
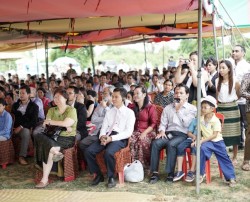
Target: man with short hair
[
  {"x": 241, "y": 67},
  {"x": 130, "y": 81},
  {"x": 175, "y": 120},
  {"x": 80, "y": 110},
  {"x": 26, "y": 117},
  {"x": 118, "y": 126}
]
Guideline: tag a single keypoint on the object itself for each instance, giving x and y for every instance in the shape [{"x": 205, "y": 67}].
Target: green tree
[{"x": 82, "y": 55}]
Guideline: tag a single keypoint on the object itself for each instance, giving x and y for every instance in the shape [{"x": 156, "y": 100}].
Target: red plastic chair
[{"x": 185, "y": 162}]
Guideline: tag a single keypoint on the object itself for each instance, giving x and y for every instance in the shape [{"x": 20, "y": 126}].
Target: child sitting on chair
[
  {"x": 181, "y": 148},
  {"x": 212, "y": 141}
]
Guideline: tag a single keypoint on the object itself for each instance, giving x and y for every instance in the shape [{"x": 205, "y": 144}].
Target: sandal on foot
[
  {"x": 41, "y": 185},
  {"x": 57, "y": 157},
  {"x": 245, "y": 166}
]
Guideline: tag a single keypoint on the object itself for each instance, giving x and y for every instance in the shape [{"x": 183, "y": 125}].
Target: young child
[
  {"x": 212, "y": 141},
  {"x": 188, "y": 143},
  {"x": 5, "y": 122}
]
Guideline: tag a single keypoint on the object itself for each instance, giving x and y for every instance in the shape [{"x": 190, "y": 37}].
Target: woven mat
[{"x": 33, "y": 195}]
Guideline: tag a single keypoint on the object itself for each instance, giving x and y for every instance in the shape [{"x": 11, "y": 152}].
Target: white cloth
[
  {"x": 240, "y": 69},
  {"x": 124, "y": 119},
  {"x": 223, "y": 95}
]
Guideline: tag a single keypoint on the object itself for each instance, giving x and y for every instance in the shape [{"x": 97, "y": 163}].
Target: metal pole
[
  {"x": 163, "y": 55},
  {"x": 199, "y": 97},
  {"x": 145, "y": 53},
  {"x": 46, "y": 59},
  {"x": 215, "y": 40},
  {"x": 223, "y": 46},
  {"x": 92, "y": 57},
  {"x": 37, "y": 67}
]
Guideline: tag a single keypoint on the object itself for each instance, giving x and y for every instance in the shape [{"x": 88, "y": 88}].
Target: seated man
[
  {"x": 97, "y": 119},
  {"x": 80, "y": 110},
  {"x": 5, "y": 122},
  {"x": 118, "y": 126},
  {"x": 26, "y": 117},
  {"x": 173, "y": 129}
]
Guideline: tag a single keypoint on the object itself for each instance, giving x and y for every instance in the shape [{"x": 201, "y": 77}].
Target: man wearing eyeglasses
[{"x": 241, "y": 67}]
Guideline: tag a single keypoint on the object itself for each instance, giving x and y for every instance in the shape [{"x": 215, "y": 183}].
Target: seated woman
[
  {"x": 146, "y": 120},
  {"x": 41, "y": 94},
  {"x": 165, "y": 97},
  {"x": 49, "y": 150}
]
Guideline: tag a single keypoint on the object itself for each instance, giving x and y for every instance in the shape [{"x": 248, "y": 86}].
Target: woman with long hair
[
  {"x": 144, "y": 129},
  {"x": 228, "y": 91},
  {"x": 165, "y": 97},
  {"x": 47, "y": 149}
]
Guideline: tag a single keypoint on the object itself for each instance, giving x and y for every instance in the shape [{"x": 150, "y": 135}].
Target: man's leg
[
  {"x": 87, "y": 141},
  {"x": 172, "y": 149},
  {"x": 90, "y": 156},
  {"x": 25, "y": 138},
  {"x": 156, "y": 146},
  {"x": 247, "y": 143},
  {"x": 243, "y": 123},
  {"x": 110, "y": 151}
]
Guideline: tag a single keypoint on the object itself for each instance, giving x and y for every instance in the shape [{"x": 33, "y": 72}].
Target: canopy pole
[
  {"x": 215, "y": 41},
  {"x": 163, "y": 55},
  {"x": 37, "y": 67},
  {"x": 199, "y": 96},
  {"x": 92, "y": 57},
  {"x": 47, "y": 59},
  {"x": 223, "y": 45},
  {"x": 145, "y": 53}
]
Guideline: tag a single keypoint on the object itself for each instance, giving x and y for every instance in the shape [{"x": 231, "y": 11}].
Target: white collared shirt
[
  {"x": 240, "y": 69},
  {"x": 123, "y": 120}
]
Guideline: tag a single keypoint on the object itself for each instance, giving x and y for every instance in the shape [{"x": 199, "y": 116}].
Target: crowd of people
[{"x": 106, "y": 110}]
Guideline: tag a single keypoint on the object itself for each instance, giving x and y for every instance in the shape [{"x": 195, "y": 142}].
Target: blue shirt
[
  {"x": 193, "y": 127},
  {"x": 39, "y": 103},
  {"x": 5, "y": 124}
]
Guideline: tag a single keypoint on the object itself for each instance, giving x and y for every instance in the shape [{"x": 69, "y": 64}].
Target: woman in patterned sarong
[
  {"x": 144, "y": 130},
  {"x": 228, "y": 91}
]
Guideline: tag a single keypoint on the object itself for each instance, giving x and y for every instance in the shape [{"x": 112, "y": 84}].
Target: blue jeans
[
  {"x": 183, "y": 145},
  {"x": 219, "y": 149},
  {"x": 171, "y": 149}
]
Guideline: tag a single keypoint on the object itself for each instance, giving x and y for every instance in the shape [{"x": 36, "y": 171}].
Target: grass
[{"x": 22, "y": 177}]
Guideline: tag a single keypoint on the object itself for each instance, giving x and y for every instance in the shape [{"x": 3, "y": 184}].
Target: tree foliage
[{"x": 82, "y": 55}]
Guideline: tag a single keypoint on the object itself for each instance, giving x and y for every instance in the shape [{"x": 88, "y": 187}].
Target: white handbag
[{"x": 134, "y": 172}]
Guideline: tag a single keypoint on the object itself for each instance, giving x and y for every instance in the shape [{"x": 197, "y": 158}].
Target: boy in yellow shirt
[{"x": 212, "y": 141}]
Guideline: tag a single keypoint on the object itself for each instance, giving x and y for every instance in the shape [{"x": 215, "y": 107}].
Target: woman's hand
[
  {"x": 143, "y": 135},
  {"x": 47, "y": 122}
]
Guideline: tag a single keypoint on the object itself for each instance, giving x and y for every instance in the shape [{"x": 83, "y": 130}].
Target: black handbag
[{"x": 53, "y": 132}]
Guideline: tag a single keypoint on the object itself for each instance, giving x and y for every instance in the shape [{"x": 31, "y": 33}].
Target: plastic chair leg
[
  {"x": 162, "y": 154},
  {"x": 4, "y": 166},
  {"x": 208, "y": 174},
  {"x": 121, "y": 177}
]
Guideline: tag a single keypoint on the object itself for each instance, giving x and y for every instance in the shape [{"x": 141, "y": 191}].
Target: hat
[{"x": 210, "y": 99}]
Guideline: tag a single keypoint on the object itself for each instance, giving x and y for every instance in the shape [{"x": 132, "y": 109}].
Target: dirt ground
[{"x": 22, "y": 177}]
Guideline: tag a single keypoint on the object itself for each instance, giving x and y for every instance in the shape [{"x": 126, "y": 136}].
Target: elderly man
[
  {"x": 97, "y": 118},
  {"x": 118, "y": 126},
  {"x": 173, "y": 129}
]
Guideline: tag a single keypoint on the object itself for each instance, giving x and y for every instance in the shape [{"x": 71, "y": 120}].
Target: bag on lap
[{"x": 53, "y": 132}]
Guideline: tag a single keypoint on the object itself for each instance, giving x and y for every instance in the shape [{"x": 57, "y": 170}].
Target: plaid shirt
[
  {"x": 164, "y": 100},
  {"x": 245, "y": 90}
]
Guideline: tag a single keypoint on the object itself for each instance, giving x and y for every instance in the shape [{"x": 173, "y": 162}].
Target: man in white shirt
[
  {"x": 130, "y": 81},
  {"x": 118, "y": 126},
  {"x": 241, "y": 67},
  {"x": 175, "y": 120}
]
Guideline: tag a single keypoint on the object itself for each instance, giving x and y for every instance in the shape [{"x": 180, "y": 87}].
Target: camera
[{"x": 185, "y": 65}]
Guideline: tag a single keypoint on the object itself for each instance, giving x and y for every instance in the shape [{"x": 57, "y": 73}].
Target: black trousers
[{"x": 110, "y": 150}]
